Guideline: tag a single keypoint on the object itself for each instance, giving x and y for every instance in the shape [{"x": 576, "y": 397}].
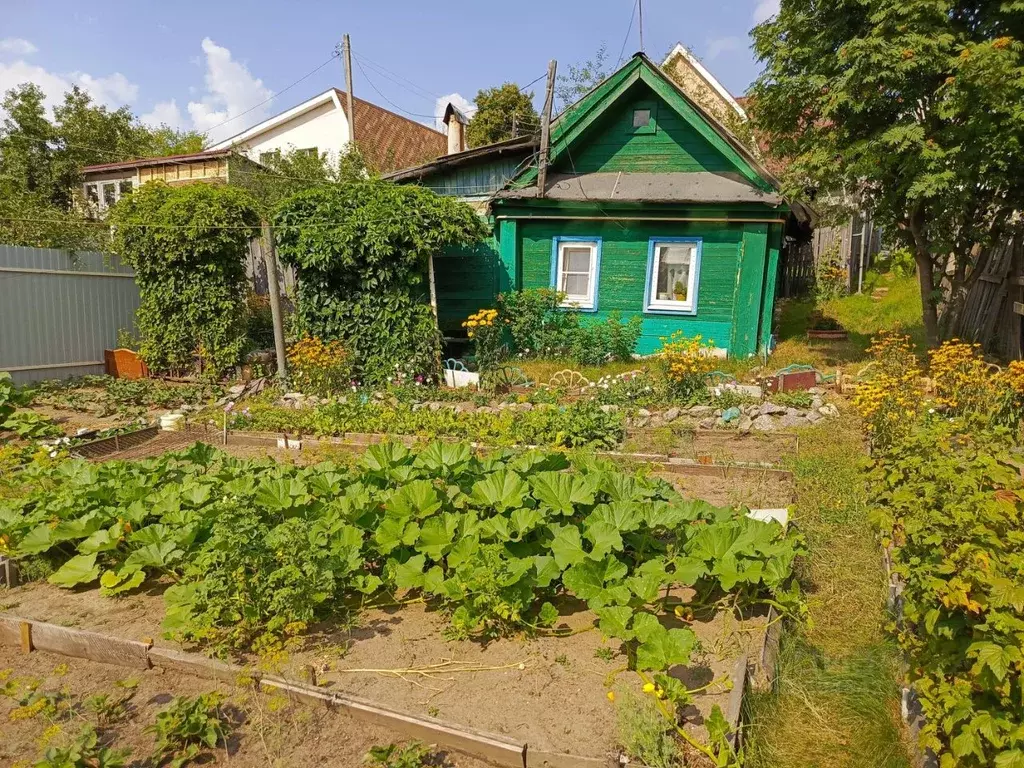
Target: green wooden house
[{"x": 651, "y": 207}]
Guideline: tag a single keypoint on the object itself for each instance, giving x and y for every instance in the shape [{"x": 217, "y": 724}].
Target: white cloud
[
  {"x": 719, "y": 45},
  {"x": 165, "y": 113},
  {"x": 461, "y": 103},
  {"x": 113, "y": 91},
  {"x": 765, "y": 10},
  {"x": 17, "y": 46},
  {"x": 230, "y": 90}
]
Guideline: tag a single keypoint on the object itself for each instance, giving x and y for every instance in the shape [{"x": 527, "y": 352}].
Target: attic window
[{"x": 645, "y": 116}]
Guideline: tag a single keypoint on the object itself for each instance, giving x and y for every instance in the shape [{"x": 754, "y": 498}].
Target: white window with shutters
[{"x": 575, "y": 271}]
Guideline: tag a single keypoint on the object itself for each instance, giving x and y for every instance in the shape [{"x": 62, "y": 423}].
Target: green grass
[{"x": 836, "y": 700}]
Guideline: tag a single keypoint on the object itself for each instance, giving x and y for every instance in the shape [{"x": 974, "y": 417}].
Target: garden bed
[
  {"x": 553, "y": 689},
  {"x": 270, "y": 728}
]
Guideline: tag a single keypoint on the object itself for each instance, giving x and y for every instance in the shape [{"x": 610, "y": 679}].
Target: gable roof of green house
[{"x": 682, "y": 154}]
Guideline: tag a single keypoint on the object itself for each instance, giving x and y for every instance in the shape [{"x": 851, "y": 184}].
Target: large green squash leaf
[
  {"x": 80, "y": 569},
  {"x": 501, "y": 491}
]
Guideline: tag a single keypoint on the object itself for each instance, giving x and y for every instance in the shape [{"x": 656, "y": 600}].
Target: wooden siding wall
[
  {"x": 176, "y": 173},
  {"x": 467, "y": 279},
  {"x": 730, "y": 299},
  {"x": 474, "y": 180},
  {"x": 674, "y": 146}
]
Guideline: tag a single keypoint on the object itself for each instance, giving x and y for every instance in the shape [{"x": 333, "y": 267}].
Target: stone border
[{"x": 30, "y": 635}]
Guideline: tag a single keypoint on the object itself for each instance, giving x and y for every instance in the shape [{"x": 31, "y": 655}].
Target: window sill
[
  {"x": 578, "y": 307},
  {"x": 656, "y": 310}
]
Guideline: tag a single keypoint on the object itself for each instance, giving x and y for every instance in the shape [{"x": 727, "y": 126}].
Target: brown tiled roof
[{"x": 389, "y": 141}]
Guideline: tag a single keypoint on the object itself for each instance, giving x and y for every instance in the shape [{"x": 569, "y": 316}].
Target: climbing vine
[
  {"x": 361, "y": 250},
  {"x": 187, "y": 247}
]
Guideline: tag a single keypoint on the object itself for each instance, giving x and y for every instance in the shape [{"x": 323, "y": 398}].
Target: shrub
[
  {"x": 187, "y": 246},
  {"x": 950, "y": 509},
  {"x": 539, "y": 327},
  {"x": 319, "y": 368},
  {"x": 686, "y": 363},
  {"x": 967, "y": 386},
  {"x": 829, "y": 275},
  {"x": 889, "y": 401},
  {"x": 361, "y": 250}
]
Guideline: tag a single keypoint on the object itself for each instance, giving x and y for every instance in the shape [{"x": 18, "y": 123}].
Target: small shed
[{"x": 651, "y": 207}]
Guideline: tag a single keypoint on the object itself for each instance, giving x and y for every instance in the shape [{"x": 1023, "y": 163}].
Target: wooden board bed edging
[{"x": 31, "y": 635}]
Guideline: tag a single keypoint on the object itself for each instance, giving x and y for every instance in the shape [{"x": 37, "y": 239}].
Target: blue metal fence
[{"x": 59, "y": 311}]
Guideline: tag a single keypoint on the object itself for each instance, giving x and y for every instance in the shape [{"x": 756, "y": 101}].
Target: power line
[
  {"x": 389, "y": 101},
  {"x": 632, "y": 15},
  {"x": 383, "y": 71},
  {"x": 272, "y": 96}
]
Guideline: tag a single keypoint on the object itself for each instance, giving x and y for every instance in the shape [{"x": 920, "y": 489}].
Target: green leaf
[
  {"x": 991, "y": 655},
  {"x": 382, "y": 457},
  {"x": 560, "y": 492},
  {"x": 620, "y": 516},
  {"x": 445, "y": 459},
  {"x": 547, "y": 570},
  {"x": 547, "y": 615},
  {"x": 1011, "y": 758},
  {"x": 80, "y": 569},
  {"x": 645, "y": 586},
  {"x": 524, "y": 520},
  {"x": 645, "y": 625},
  {"x": 596, "y": 581},
  {"x": 463, "y": 550},
  {"x": 274, "y": 493},
  {"x": 417, "y": 499},
  {"x": 665, "y": 648},
  {"x": 613, "y": 621},
  {"x": 437, "y": 536},
  {"x": 115, "y": 584},
  {"x": 35, "y": 541},
  {"x": 102, "y": 540},
  {"x": 567, "y": 547},
  {"x": 605, "y": 539},
  {"x": 717, "y": 726},
  {"x": 688, "y": 570},
  {"x": 501, "y": 491},
  {"x": 393, "y": 532},
  {"x": 409, "y": 575}
]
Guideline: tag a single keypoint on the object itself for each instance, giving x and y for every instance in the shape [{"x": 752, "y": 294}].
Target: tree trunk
[{"x": 925, "y": 278}]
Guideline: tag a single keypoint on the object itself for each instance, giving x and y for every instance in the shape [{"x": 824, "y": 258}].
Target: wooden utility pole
[
  {"x": 545, "y": 131},
  {"x": 347, "y": 46},
  {"x": 273, "y": 287}
]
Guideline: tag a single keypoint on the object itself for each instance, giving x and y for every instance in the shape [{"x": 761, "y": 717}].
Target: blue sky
[{"x": 201, "y": 64}]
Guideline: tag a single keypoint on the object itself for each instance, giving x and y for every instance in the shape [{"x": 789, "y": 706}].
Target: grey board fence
[{"x": 59, "y": 311}]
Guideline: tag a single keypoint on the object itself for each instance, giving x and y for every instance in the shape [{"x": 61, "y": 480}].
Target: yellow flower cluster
[
  {"x": 889, "y": 401},
  {"x": 960, "y": 376},
  {"x": 687, "y": 360},
  {"x": 318, "y": 367},
  {"x": 1013, "y": 375},
  {"x": 483, "y": 319}
]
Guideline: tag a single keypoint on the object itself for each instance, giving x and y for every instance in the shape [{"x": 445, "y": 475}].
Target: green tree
[
  {"x": 41, "y": 161},
  {"x": 915, "y": 108},
  {"x": 187, "y": 246},
  {"x": 361, "y": 249},
  {"x": 582, "y": 77},
  {"x": 503, "y": 112}
]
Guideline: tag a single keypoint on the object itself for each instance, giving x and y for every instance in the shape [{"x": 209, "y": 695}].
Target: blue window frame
[
  {"x": 576, "y": 269},
  {"x": 673, "y": 275}
]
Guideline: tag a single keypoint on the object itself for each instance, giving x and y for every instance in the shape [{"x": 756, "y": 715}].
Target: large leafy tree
[
  {"x": 41, "y": 160},
  {"x": 503, "y": 112},
  {"x": 913, "y": 108}
]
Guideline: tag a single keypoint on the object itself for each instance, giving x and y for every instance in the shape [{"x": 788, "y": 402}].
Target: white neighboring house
[{"x": 320, "y": 125}]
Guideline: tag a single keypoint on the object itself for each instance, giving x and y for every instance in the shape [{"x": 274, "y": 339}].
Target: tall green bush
[
  {"x": 361, "y": 250},
  {"x": 187, "y": 246}
]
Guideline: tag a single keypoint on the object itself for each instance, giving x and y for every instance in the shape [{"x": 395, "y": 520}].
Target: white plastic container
[{"x": 171, "y": 422}]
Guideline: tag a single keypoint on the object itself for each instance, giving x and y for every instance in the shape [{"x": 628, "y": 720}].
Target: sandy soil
[
  {"x": 269, "y": 730},
  {"x": 547, "y": 691}
]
